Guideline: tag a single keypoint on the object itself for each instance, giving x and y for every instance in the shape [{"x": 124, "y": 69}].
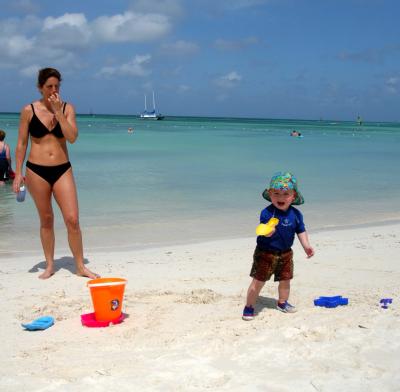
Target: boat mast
[{"x": 154, "y": 103}]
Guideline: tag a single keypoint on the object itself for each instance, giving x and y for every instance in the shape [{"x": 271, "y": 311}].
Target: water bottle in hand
[{"x": 21, "y": 193}]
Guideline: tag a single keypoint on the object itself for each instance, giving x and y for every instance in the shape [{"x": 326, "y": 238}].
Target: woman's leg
[
  {"x": 40, "y": 191},
  {"x": 64, "y": 191}
]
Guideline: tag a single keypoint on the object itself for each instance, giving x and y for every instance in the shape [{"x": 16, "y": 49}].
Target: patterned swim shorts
[{"x": 268, "y": 263}]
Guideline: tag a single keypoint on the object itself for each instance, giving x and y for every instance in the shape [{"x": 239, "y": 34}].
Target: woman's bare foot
[
  {"x": 48, "y": 272},
  {"x": 87, "y": 273}
]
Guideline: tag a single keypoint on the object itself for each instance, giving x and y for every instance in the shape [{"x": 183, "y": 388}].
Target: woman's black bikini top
[{"x": 37, "y": 129}]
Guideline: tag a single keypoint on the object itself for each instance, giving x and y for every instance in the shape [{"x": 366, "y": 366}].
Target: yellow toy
[{"x": 267, "y": 228}]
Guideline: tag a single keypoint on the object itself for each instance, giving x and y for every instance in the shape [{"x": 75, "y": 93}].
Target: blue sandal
[{"x": 39, "y": 324}]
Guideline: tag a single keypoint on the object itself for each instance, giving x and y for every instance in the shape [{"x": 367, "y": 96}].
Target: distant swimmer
[
  {"x": 130, "y": 130},
  {"x": 295, "y": 133}
]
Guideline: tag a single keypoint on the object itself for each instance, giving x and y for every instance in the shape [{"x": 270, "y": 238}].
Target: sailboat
[{"x": 150, "y": 115}]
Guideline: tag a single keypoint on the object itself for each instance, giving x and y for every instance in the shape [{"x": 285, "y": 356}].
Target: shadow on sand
[
  {"x": 264, "y": 302},
  {"x": 66, "y": 262}
]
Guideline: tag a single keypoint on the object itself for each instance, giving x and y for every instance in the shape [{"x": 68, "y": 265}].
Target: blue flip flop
[{"x": 39, "y": 324}]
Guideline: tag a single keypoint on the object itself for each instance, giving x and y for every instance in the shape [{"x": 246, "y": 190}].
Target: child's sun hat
[{"x": 284, "y": 181}]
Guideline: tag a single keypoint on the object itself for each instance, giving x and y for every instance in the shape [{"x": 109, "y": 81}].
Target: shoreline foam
[{"x": 115, "y": 244}]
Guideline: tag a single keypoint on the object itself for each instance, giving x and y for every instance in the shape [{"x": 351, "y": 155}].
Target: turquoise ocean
[{"x": 190, "y": 179}]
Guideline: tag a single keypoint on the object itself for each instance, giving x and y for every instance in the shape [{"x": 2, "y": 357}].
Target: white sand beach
[{"x": 185, "y": 333}]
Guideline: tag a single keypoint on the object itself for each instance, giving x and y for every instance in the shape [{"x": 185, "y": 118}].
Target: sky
[{"x": 291, "y": 59}]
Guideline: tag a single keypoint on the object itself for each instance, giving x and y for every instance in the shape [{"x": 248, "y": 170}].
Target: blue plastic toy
[
  {"x": 331, "y": 302},
  {"x": 39, "y": 324},
  {"x": 385, "y": 302}
]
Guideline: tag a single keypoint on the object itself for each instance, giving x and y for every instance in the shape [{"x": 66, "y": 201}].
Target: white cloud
[
  {"x": 30, "y": 70},
  {"x": 240, "y": 4},
  {"x": 393, "y": 80},
  {"x": 172, "y": 8},
  {"x": 214, "y": 6},
  {"x": 183, "y": 88},
  {"x": 15, "y": 46},
  {"x": 62, "y": 40},
  {"x": 223, "y": 44},
  {"x": 30, "y": 40},
  {"x": 180, "y": 47},
  {"x": 52, "y": 40},
  {"x": 75, "y": 20},
  {"x": 393, "y": 84},
  {"x": 69, "y": 31},
  {"x": 130, "y": 27},
  {"x": 135, "y": 67},
  {"x": 24, "y": 26},
  {"x": 148, "y": 86},
  {"x": 221, "y": 97},
  {"x": 229, "y": 80},
  {"x": 25, "y": 6}
]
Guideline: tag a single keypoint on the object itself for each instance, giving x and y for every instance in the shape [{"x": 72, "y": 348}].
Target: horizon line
[{"x": 227, "y": 117}]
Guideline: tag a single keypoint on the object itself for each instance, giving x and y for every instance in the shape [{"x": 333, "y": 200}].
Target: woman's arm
[
  {"x": 22, "y": 144},
  {"x": 303, "y": 238},
  {"x": 67, "y": 119}
]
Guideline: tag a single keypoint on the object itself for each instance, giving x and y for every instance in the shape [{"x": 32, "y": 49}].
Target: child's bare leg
[
  {"x": 253, "y": 292},
  {"x": 283, "y": 291}
]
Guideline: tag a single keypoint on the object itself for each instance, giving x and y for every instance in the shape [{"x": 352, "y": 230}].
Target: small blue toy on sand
[
  {"x": 385, "y": 302},
  {"x": 331, "y": 302}
]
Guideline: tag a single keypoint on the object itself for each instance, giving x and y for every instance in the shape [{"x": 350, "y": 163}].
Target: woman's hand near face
[{"x": 55, "y": 102}]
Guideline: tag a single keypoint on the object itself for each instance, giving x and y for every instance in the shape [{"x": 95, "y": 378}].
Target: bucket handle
[{"x": 106, "y": 284}]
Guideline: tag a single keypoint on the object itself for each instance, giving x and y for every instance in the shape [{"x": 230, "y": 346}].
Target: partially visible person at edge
[
  {"x": 273, "y": 254},
  {"x": 5, "y": 158},
  {"x": 49, "y": 123}
]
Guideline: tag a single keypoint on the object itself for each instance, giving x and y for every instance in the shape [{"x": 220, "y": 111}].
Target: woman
[
  {"x": 50, "y": 123},
  {"x": 5, "y": 158}
]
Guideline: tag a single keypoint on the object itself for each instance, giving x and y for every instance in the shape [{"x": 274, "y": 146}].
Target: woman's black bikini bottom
[{"x": 49, "y": 173}]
